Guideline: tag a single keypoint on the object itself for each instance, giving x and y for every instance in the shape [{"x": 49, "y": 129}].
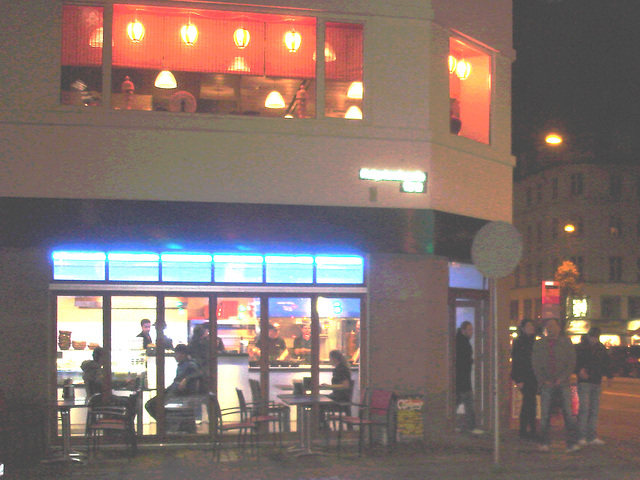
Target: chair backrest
[
  {"x": 241, "y": 400},
  {"x": 380, "y": 402},
  {"x": 256, "y": 396}
]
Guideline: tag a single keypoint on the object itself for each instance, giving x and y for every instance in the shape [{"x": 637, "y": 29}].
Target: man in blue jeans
[
  {"x": 554, "y": 361},
  {"x": 593, "y": 363}
]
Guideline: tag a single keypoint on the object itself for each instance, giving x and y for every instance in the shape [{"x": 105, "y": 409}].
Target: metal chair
[
  {"x": 284, "y": 411},
  {"x": 107, "y": 417},
  {"x": 258, "y": 412},
  {"x": 376, "y": 411},
  {"x": 332, "y": 413},
  {"x": 224, "y": 420}
]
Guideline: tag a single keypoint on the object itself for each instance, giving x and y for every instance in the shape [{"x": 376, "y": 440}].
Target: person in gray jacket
[{"x": 554, "y": 361}]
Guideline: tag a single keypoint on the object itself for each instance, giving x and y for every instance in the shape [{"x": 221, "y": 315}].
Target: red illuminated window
[{"x": 469, "y": 90}]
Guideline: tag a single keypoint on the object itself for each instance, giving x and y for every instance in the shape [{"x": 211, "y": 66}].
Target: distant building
[{"x": 602, "y": 203}]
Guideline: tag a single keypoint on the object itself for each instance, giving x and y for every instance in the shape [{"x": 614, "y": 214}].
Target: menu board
[{"x": 410, "y": 417}]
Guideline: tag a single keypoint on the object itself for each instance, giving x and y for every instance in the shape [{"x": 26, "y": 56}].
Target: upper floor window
[
  {"x": 539, "y": 193},
  {"x": 615, "y": 186},
  {"x": 610, "y": 307},
  {"x": 615, "y": 269},
  {"x": 209, "y": 61},
  {"x": 577, "y": 183},
  {"x": 554, "y": 188},
  {"x": 529, "y": 197},
  {"x": 469, "y": 90}
]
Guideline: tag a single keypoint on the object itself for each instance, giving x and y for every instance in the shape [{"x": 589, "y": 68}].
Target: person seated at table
[
  {"x": 302, "y": 343},
  {"x": 93, "y": 372},
  {"x": 277, "y": 348},
  {"x": 188, "y": 375},
  {"x": 340, "y": 378}
]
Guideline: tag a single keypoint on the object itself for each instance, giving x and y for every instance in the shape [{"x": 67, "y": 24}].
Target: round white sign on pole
[{"x": 496, "y": 249}]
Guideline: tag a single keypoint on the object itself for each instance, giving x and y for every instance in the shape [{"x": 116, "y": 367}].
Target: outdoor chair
[
  {"x": 284, "y": 411},
  {"x": 107, "y": 417},
  {"x": 332, "y": 413},
  {"x": 261, "y": 413},
  {"x": 377, "y": 411},
  {"x": 223, "y": 420}
]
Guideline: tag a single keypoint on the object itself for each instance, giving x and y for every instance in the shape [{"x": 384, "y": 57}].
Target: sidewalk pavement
[{"x": 465, "y": 458}]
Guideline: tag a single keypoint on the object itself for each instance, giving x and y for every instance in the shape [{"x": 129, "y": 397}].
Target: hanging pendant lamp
[
  {"x": 135, "y": 31},
  {"x": 463, "y": 69},
  {"x": 241, "y": 37},
  {"x": 189, "y": 33},
  {"x": 353, "y": 113},
  {"x": 292, "y": 40},
  {"x": 356, "y": 90},
  {"x": 274, "y": 100},
  {"x": 453, "y": 62},
  {"x": 165, "y": 79}
]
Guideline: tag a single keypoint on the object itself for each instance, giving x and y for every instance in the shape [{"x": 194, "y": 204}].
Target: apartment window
[
  {"x": 529, "y": 197},
  {"x": 539, "y": 193},
  {"x": 236, "y": 62},
  {"x": 610, "y": 307},
  {"x": 615, "y": 269},
  {"x": 539, "y": 232},
  {"x": 529, "y": 238},
  {"x": 527, "y": 308},
  {"x": 579, "y": 263},
  {"x": 469, "y": 90},
  {"x": 615, "y": 186},
  {"x": 615, "y": 227},
  {"x": 537, "y": 308},
  {"x": 539, "y": 271},
  {"x": 528, "y": 274},
  {"x": 516, "y": 275},
  {"x": 554, "y": 188},
  {"x": 514, "y": 306},
  {"x": 554, "y": 228},
  {"x": 634, "y": 307},
  {"x": 577, "y": 183}
]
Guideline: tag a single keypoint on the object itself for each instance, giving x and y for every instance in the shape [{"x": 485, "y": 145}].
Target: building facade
[
  {"x": 278, "y": 135},
  {"x": 602, "y": 204}
]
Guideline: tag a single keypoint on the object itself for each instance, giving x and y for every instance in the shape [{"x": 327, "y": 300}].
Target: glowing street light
[
  {"x": 569, "y": 228},
  {"x": 553, "y": 139}
]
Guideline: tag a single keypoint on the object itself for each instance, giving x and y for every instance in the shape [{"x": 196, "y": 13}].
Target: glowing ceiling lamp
[
  {"x": 353, "y": 113},
  {"x": 135, "y": 30},
  {"x": 292, "y": 40},
  {"x": 241, "y": 37},
  {"x": 274, "y": 100},
  {"x": 463, "y": 69},
  {"x": 239, "y": 65},
  {"x": 165, "y": 79},
  {"x": 452, "y": 64},
  {"x": 189, "y": 33},
  {"x": 356, "y": 90}
]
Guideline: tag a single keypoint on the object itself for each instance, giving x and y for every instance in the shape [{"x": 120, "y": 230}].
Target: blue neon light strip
[{"x": 144, "y": 266}]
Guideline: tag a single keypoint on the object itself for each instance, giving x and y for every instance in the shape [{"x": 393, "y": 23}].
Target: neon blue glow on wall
[
  {"x": 238, "y": 259},
  {"x": 133, "y": 257},
  {"x": 339, "y": 260},
  {"x": 78, "y": 256},
  {"x": 186, "y": 257},
  {"x": 300, "y": 260}
]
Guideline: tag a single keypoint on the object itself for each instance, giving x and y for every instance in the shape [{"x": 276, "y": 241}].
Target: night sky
[{"x": 577, "y": 69}]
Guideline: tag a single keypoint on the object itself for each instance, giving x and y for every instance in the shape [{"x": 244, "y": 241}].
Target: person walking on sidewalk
[
  {"x": 464, "y": 390},
  {"x": 524, "y": 377},
  {"x": 593, "y": 363},
  {"x": 554, "y": 361}
]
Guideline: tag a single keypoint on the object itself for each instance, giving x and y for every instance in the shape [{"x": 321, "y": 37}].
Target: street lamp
[
  {"x": 553, "y": 139},
  {"x": 569, "y": 228}
]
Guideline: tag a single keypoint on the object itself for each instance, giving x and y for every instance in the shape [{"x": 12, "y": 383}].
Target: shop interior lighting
[
  {"x": 329, "y": 53},
  {"x": 135, "y": 31},
  {"x": 189, "y": 33},
  {"x": 274, "y": 100},
  {"x": 452, "y": 64},
  {"x": 241, "y": 37},
  {"x": 61, "y": 256},
  {"x": 356, "y": 90},
  {"x": 239, "y": 65},
  {"x": 292, "y": 40},
  {"x": 463, "y": 69},
  {"x": 133, "y": 257},
  {"x": 353, "y": 113},
  {"x": 97, "y": 38},
  {"x": 165, "y": 79}
]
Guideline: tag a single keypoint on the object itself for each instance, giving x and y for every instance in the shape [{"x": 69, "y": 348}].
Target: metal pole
[{"x": 496, "y": 403}]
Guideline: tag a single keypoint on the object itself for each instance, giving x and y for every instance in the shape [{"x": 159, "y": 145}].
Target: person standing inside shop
[
  {"x": 162, "y": 338},
  {"x": 554, "y": 361},
  {"x": 464, "y": 389},
  {"x": 593, "y": 362},
  {"x": 524, "y": 377},
  {"x": 145, "y": 334},
  {"x": 188, "y": 375},
  {"x": 276, "y": 346},
  {"x": 302, "y": 343}
]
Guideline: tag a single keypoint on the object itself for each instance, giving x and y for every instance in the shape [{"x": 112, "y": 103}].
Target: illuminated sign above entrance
[{"x": 410, "y": 181}]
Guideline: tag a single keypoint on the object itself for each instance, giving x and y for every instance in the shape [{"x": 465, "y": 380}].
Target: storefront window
[
  {"x": 469, "y": 90},
  {"x": 79, "y": 327}
]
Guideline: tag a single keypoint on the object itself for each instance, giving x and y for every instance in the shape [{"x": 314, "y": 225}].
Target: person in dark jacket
[
  {"x": 593, "y": 362},
  {"x": 525, "y": 379},
  {"x": 464, "y": 389}
]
